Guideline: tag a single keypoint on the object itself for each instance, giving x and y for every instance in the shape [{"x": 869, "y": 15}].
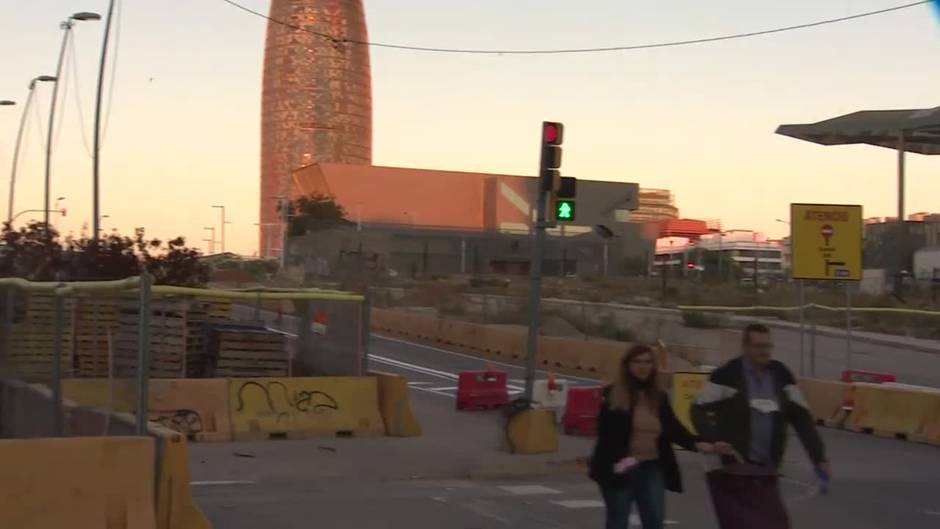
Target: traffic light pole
[
  {"x": 548, "y": 184},
  {"x": 535, "y": 294}
]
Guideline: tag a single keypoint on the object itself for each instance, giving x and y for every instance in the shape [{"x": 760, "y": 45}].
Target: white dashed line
[
  {"x": 580, "y": 504},
  {"x": 635, "y": 521},
  {"x": 529, "y": 490},
  {"x": 220, "y": 483}
]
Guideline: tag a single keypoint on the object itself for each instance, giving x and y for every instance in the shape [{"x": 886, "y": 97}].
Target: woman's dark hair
[{"x": 627, "y": 388}]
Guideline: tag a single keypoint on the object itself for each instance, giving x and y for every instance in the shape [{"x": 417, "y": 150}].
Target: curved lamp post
[
  {"x": 67, "y": 28},
  {"x": 19, "y": 139}
]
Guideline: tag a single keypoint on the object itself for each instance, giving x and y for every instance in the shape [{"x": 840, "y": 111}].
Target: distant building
[
  {"x": 882, "y": 244},
  {"x": 655, "y": 205},
  {"x": 419, "y": 221},
  {"x": 690, "y": 228},
  {"x": 746, "y": 249}
]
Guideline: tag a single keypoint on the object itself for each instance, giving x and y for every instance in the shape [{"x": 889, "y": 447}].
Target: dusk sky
[{"x": 699, "y": 120}]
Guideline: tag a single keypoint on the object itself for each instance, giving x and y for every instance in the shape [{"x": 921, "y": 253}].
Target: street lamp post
[
  {"x": 96, "y": 162},
  {"x": 59, "y": 210},
  {"x": 19, "y": 140},
  {"x": 7, "y": 103},
  {"x": 25, "y": 211},
  {"x": 223, "y": 225},
  {"x": 67, "y": 28},
  {"x": 211, "y": 230},
  {"x": 265, "y": 227}
]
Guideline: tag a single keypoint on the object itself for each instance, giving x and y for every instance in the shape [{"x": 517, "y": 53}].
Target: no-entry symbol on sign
[{"x": 827, "y": 232}]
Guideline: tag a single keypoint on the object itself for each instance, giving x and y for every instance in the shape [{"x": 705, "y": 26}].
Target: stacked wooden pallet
[
  {"x": 177, "y": 343},
  {"x": 96, "y": 322},
  {"x": 244, "y": 351},
  {"x": 32, "y": 338},
  {"x": 218, "y": 309}
]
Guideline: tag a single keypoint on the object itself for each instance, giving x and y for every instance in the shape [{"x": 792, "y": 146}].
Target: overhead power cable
[{"x": 634, "y": 47}]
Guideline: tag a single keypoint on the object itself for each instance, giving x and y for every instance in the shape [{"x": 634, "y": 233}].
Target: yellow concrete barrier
[
  {"x": 533, "y": 432},
  {"x": 197, "y": 408},
  {"x": 558, "y": 353},
  {"x": 395, "y": 406},
  {"x": 78, "y": 482},
  {"x": 462, "y": 334},
  {"x": 932, "y": 425},
  {"x": 825, "y": 398},
  {"x": 379, "y": 319},
  {"x": 505, "y": 341},
  {"x": 891, "y": 410},
  {"x": 176, "y": 508},
  {"x": 299, "y": 407}
]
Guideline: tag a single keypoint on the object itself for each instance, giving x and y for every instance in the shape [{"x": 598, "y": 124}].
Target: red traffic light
[{"x": 552, "y": 133}]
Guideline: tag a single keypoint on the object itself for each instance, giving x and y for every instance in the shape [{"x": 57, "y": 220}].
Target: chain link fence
[{"x": 53, "y": 333}]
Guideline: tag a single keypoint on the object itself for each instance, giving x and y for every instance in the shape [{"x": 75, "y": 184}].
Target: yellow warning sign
[{"x": 826, "y": 241}]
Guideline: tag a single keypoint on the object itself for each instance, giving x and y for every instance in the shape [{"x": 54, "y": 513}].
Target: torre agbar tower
[{"x": 316, "y": 103}]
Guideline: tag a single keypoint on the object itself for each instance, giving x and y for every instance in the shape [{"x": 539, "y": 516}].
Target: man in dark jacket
[{"x": 748, "y": 402}]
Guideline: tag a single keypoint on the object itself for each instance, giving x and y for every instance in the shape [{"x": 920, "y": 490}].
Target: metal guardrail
[{"x": 770, "y": 308}]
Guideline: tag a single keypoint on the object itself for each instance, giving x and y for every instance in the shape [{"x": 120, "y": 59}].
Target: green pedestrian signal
[{"x": 564, "y": 210}]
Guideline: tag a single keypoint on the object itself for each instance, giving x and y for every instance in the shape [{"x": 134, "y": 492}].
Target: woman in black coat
[{"x": 633, "y": 460}]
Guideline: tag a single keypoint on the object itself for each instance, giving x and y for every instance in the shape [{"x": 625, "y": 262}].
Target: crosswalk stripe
[
  {"x": 579, "y": 504},
  {"x": 529, "y": 490}
]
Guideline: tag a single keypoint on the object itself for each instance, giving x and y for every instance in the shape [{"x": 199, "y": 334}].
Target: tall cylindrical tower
[{"x": 316, "y": 103}]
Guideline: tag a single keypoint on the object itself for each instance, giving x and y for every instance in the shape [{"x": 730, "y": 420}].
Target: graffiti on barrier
[
  {"x": 283, "y": 402},
  {"x": 186, "y": 422}
]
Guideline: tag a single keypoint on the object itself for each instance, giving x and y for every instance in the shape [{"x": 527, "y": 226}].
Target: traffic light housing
[
  {"x": 561, "y": 190},
  {"x": 563, "y": 199},
  {"x": 550, "y": 163}
]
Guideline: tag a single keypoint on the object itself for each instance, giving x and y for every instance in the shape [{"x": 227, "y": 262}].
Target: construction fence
[{"x": 55, "y": 332}]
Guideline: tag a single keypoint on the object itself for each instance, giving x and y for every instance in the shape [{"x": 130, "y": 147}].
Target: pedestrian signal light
[{"x": 564, "y": 210}]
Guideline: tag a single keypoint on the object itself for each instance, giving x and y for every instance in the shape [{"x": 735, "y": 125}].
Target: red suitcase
[{"x": 747, "y": 496}]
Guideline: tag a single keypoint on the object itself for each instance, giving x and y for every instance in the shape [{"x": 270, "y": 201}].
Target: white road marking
[
  {"x": 636, "y": 522},
  {"x": 413, "y": 367},
  {"x": 592, "y": 381},
  {"x": 219, "y": 483},
  {"x": 447, "y": 388},
  {"x": 580, "y": 504},
  {"x": 428, "y": 371},
  {"x": 931, "y": 513},
  {"x": 811, "y": 490},
  {"x": 426, "y": 390},
  {"x": 529, "y": 490},
  {"x": 412, "y": 384}
]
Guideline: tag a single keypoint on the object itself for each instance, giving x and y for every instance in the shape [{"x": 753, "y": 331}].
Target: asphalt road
[
  {"x": 435, "y": 370},
  {"x": 424, "y": 483}
]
